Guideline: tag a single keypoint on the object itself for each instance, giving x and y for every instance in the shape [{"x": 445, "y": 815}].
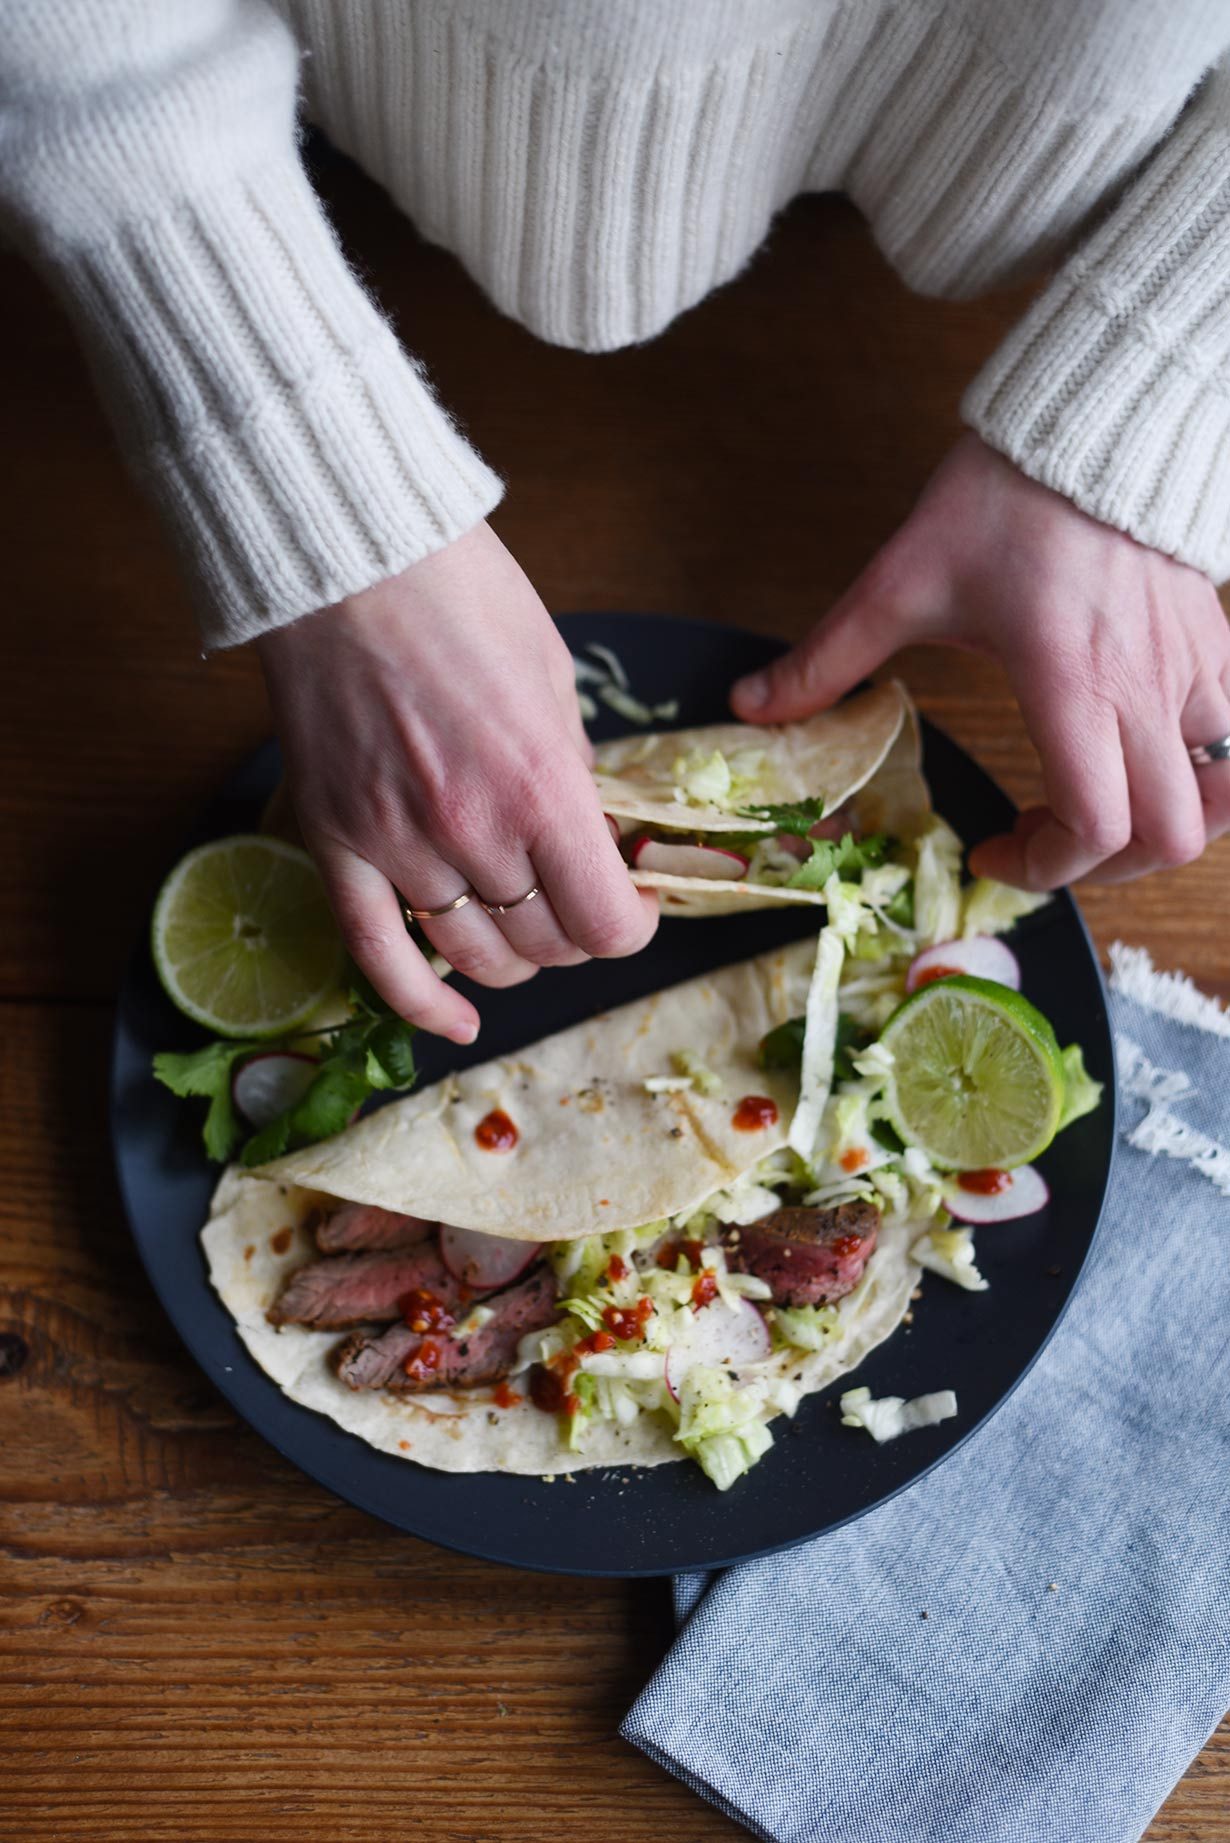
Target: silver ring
[
  {"x": 1204, "y": 752},
  {"x": 446, "y": 908},
  {"x": 502, "y": 908}
]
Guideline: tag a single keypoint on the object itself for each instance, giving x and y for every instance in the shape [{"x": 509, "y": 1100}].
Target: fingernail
[
  {"x": 464, "y": 1034},
  {"x": 754, "y": 691}
]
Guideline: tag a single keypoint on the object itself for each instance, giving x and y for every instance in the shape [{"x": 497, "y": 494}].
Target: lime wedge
[
  {"x": 243, "y": 938},
  {"x": 978, "y": 1079}
]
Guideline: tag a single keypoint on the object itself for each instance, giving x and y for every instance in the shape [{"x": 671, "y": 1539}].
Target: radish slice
[
  {"x": 1024, "y": 1193},
  {"x": 981, "y": 955},
  {"x": 267, "y": 1084},
  {"x": 484, "y": 1261},
  {"x": 688, "y": 860},
  {"x": 732, "y": 1335}
]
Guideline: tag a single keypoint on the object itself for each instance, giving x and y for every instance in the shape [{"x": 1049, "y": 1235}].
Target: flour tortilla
[
  {"x": 595, "y": 1152},
  {"x": 608, "y": 1159},
  {"x": 255, "y": 1238},
  {"x": 827, "y": 756},
  {"x": 895, "y": 800}
]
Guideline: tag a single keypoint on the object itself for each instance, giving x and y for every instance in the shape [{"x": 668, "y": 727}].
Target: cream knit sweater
[{"x": 598, "y": 166}]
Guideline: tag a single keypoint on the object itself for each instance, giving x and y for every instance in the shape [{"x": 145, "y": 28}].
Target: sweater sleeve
[
  {"x": 148, "y": 162},
  {"x": 1114, "y": 389}
]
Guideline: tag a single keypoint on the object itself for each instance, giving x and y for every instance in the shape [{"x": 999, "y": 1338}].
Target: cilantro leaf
[
  {"x": 799, "y": 816},
  {"x": 372, "y": 1051},
  {"x": 782, "y": 1048},
  {"x": 392, "y": 1045},
  {"x": 208, "y": 1072},
  {"x": 849, "y": 858},
  {"x": 269, "y": 1143}
]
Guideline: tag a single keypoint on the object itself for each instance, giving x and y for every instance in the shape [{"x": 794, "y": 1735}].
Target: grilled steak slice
[
  {"x": 365, "y": 1361},
  {"x": 356, "y": 1227},
  {"x": 362, "y": 1289},
  {"x": 807, "y": 1256}
]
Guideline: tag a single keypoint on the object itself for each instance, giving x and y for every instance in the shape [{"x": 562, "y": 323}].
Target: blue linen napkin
[{"x": 1072, "y": 1559}]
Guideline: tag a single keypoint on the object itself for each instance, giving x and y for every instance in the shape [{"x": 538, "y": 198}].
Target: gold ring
[
  {"x": 502, "y": 908},
  {"x": 446, "y": 908}
]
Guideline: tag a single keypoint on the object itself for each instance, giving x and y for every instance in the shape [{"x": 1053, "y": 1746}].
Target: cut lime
[
  {"x": 977, "y": 1076},
  {"x": 243, "y": 938}
]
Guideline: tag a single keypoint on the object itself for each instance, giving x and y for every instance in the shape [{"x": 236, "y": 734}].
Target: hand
[
  {"x": 1119, "y": 656},
  {"x": 433, "y": 742}
]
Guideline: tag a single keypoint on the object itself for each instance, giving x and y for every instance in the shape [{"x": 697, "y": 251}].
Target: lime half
[
  {"x": 243, "y": 938},
  {"x": 977, "y": 1077}
]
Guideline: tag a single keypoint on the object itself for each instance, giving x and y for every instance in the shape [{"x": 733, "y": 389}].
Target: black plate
[{"x": 668, "y": 1518}]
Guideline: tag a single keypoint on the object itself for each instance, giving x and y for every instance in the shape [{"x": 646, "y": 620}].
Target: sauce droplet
[
  {"x": 854, "y": 1159},
  {"x": 704, "y": 1288},
  {"x": 935, "y": 972},
  {"x": 988, "y": 1183},
  {"x": 495, "y": 1132},
  {"x": 754, "y": 1113},
  {"x": 504, "y": 1396}
]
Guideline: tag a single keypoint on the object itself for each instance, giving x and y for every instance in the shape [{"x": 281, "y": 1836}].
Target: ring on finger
[
  {"x": 1202, "y": 753},
  {"x": 502, "y": 908},
  {"x": 445, "y": 908}
]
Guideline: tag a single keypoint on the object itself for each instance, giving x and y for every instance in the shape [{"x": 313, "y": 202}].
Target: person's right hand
[{"x": 433, "y": 743}]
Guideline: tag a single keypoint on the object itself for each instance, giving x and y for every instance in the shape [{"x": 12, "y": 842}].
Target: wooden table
[{"x": 198, "y": 1642}]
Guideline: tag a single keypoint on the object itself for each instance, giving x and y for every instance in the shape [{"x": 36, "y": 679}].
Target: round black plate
[{"x": 668, "y": 1518}]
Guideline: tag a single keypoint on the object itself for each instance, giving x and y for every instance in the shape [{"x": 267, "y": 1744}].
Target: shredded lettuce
[
  {"x": 819, "y": 1038},
  {"x": 721, "y": 1425},
  {"x": 892, "y": 1415},
  {"x": 937, "y": 884},
  {"x": 988, "y": 907},
  {"x": 687, "y": 1062},
  {"x": 807, "y": 1327},
  {"x": 950, "y": 1253},
  {"x": 1081, "y": 1094},
  {"x": 716, "y": 779}
]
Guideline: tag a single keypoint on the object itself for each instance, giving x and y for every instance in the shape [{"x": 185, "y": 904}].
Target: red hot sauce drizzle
[
  {"x": 754, "y": 1113},
  {"x": 495, "y": 1132},
  {"x": 934, "y": 972},
  {"x": 986, "y": 1183},
  {"x": 425, "y": 1311},
  {"x": 704, "y": 1287}
]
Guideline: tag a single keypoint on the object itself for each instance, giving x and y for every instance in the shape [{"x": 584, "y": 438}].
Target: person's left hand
[{"x": 1119, "y": 657}]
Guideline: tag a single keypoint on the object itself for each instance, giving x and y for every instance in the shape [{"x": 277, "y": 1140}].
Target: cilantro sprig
[
  {"x": 782, "y": 1047},
  {"x": 372, "y": 1051},
  {"x": 848, "y": 856},
  {"x": 798, "y": 816}
]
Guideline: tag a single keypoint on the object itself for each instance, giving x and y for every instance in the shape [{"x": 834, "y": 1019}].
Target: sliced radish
[
  {"x": 267, "y": 1084},
  {"x": 1023, "y": 1192},
  {"x": 484, "y": 1261},
  {"x": 731, "y": 1335},
  {"x": 981, "y": 955},
  {"x": 688, "y": 860}
]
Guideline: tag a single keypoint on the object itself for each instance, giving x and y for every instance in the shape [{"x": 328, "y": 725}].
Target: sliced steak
[
  {"x": 362, "y": 1289},
  {"x": 808, "y": 1256},
  {"x": 367, "y": 1361},
  {"x": 361, "y": 1227}
]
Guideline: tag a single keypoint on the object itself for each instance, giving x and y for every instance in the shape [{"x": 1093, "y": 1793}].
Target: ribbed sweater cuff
[
  {"x": 1114, "y": 389},
  {"x": 295, "y": 448}
]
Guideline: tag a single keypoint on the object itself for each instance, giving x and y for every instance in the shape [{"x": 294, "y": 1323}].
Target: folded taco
[
  {"x": 729, "y": 817},
  {"x": 602, "y": 1249}
]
